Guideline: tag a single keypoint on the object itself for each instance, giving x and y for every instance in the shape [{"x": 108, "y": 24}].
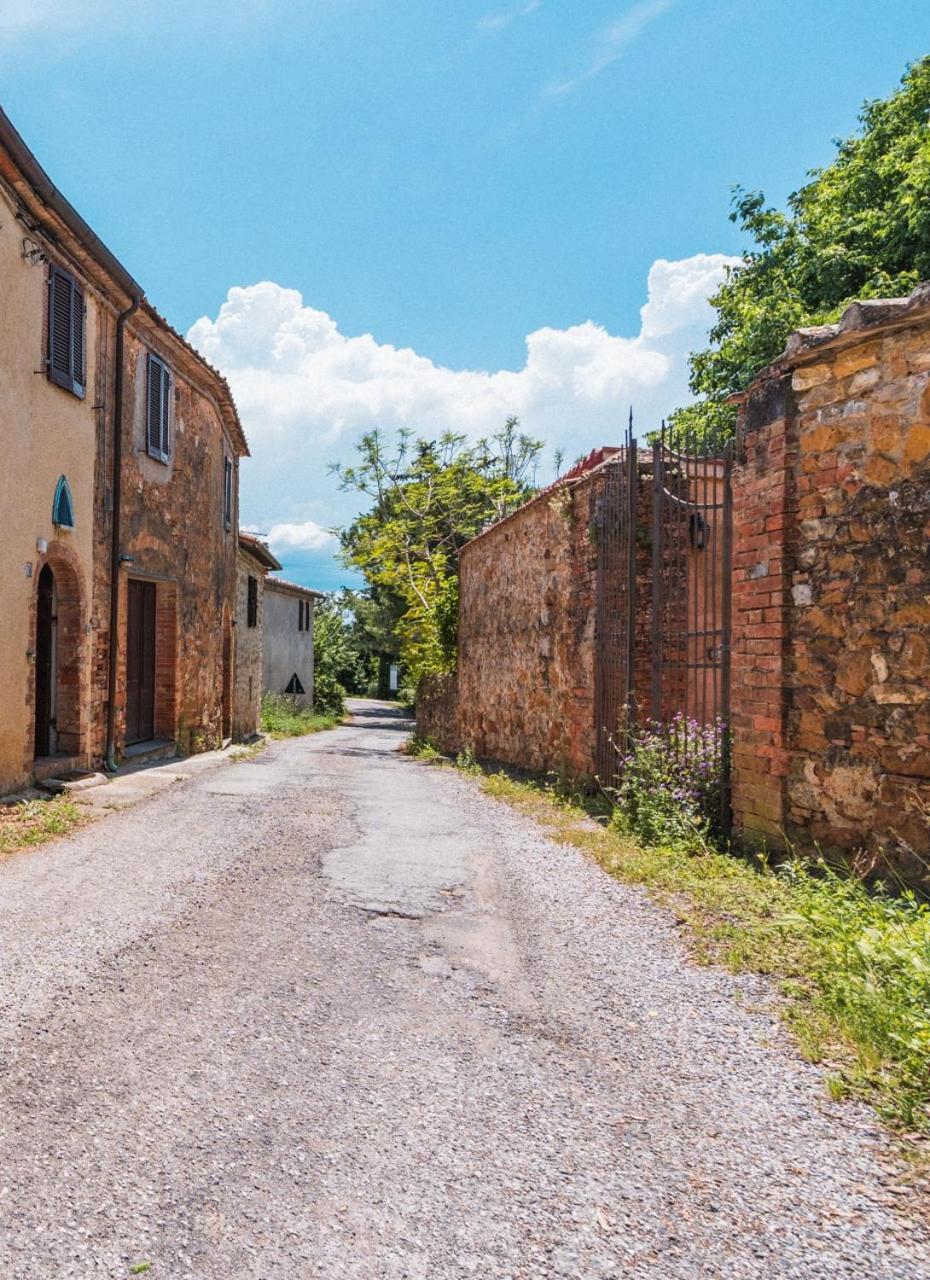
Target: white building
[{"x": 287, "y": 639}]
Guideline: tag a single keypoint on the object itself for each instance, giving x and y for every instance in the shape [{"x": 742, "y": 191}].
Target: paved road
[{"x": 333, "y": 1013}]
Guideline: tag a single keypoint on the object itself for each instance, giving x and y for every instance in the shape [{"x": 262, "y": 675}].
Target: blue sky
[{"x": 448, "y": 178}]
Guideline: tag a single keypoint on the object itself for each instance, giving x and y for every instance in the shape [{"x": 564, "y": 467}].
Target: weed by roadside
[
  {"x": 852, "y": 964},
  {"x": 422, "y": 749},
  {"x": 283, "y": 717},
  {"x": 33, "y": 822},
  {"x": 248, "y": 751}
]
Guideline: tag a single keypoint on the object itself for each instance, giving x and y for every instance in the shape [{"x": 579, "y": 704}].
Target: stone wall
[
  {"x": 526, "y": 634},
  {"x": 247, "y": 701},
  {"x": 174, "y": 533},
  {"x": 831, "y": 665},
  {"x": 437, "y": 712}
]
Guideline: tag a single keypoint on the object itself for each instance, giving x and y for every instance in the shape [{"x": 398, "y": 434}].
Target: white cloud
[
  {"x": 306, "y": 536},
  {"x": 502, "y": 18},
  {"x": 306, "y": 391},
  {"x": 613, "y": 43}
]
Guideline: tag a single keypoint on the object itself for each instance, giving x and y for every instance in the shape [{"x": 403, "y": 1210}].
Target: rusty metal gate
[{"x": 664, "y": 580}]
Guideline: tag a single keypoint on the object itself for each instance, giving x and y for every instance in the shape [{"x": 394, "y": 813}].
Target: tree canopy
[
  {"x": 860, "y": 228},
  {"x": 428, "y": 498}
]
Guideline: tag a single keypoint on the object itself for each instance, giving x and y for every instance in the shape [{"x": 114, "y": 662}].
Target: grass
[
  {"x": 852, "y": 965},
  {"x": 282, "y": 717},
  {"x": 33, "y": 822}
]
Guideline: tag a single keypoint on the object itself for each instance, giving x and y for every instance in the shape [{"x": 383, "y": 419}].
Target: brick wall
[{"x": 831, "y": 663}]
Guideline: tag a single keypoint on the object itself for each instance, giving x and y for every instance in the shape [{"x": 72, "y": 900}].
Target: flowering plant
[{"x": 671, "y": 776}]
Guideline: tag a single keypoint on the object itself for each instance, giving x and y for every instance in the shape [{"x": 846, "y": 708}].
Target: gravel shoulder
[{"x": 332, "y": 1012}]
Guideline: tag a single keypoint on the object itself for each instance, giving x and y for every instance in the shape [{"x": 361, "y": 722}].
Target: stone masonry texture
[
  {"x": 526, "y": 634},
  {"x": 832, "y": 634}
]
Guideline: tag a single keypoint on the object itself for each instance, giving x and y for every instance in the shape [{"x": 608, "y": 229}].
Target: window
[
  {"x": 228, "y": 493},
  {"x": 303, "y": 615},
  {"x": 63, "y": 505},
  {"x": 66, "y": 332},
  {"x": 158, "y": 409},
  {"x": 252, "y": 605}
]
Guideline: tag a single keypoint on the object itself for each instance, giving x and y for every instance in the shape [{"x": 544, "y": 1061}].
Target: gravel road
[{"x": 331, "y": 1012}]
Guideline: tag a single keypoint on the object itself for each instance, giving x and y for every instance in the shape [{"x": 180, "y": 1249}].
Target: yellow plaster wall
[{"x": 45, "y": 432}]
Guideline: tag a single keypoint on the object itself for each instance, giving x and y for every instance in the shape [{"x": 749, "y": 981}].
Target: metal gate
[{"x": 664, "y": 582}]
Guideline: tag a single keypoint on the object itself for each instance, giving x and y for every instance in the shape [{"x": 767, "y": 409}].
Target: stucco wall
[
  {"x": 45, "y": 432},
  {"x": 287, "y": 651}
]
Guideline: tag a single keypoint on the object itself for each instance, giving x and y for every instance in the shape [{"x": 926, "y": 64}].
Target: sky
[{"x": 372, "y": 213}]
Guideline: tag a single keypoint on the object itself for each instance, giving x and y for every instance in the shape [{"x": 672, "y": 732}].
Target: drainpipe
[{"x": 115, "y": 557}]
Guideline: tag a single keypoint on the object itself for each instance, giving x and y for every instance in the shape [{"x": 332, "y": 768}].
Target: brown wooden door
[
  {"x": 140, "y": 663},
  {"x": 45, "y": 664}
]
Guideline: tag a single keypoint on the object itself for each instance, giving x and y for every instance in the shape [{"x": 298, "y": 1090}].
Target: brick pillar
[{"x": 764, "y": 509}]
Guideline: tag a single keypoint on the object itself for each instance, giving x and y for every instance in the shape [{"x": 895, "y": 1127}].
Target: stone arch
[{"x": 59, "y": 581}]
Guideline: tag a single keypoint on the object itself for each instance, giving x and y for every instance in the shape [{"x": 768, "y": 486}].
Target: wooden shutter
[
  {"x": 66, "y": 348},
  {"x": 158, "y": 409},
  {"x": 77, "y": 339},
  {"x": 165, "y": 412},
  {"x": 227, "y": 492}
]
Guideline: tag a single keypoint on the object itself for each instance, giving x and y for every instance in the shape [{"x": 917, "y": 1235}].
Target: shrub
[
  {"x": 284, "y": 717},
  {"x": 670, "y": 781}
]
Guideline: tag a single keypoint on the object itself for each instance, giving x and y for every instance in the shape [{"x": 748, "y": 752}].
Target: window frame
[
  {"x": 155, "y": 367},
  {"x": 70, "y": 374}
]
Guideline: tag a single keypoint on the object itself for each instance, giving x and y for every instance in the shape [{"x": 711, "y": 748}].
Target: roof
[
  {"x": 860, "y": 320},
  {"x": 292, "y": 588},
  {"x": 52, "y": 212},
  {"x": 254, "y": 546}
]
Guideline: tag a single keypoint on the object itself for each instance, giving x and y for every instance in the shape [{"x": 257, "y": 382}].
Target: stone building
[
  {"x": 287, "y": 639},
  {"x": 255, "y": 562},
  {"x": 119, "y": 453}
]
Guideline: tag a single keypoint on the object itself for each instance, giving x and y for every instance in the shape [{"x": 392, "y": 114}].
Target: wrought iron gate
[{"x": 664, "y": 581}]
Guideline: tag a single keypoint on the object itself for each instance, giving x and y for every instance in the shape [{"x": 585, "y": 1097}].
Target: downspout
[{"x": 115, "y": 555}]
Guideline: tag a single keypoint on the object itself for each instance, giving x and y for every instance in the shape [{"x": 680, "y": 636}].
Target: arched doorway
[{"x": 46, "y": 697}]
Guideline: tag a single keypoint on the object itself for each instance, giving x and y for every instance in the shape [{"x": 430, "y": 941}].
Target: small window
[
  {"x": 301, "y": 615},
  {"x": 66, "y": 351},
  {"x": 228, "y": 493},
  {"x": 294, "y": 685},
  {"x": 63, "y": 505},
  {"x": 252, "y": 609},
  {"x": 158, "y": 409}
]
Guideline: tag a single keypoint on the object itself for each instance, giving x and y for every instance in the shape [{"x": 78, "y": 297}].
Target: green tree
[
  {"x": 428, "y": 498},
  {"x": 860, "y": 228}
]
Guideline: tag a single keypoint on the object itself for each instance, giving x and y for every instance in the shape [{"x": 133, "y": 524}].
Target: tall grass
[{"x": 284, "y": 717}]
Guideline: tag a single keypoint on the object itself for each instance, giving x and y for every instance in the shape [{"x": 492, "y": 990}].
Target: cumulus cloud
[
  {"x": 306, "y": 536},
  {"x": 612, "y": 44},
  {"x": 306, "y": 391}
]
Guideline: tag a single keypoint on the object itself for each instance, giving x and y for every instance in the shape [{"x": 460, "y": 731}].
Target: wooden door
[
  {"x": 140, "y": 662},
  {"x": 46, "y": 676}
]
